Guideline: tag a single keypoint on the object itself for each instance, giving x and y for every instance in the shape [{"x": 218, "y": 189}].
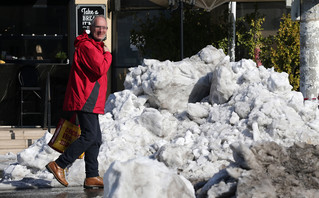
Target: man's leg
[
  {"x": 88, "y": 122},
  {"x": 93, "y": 180},
  {"x": 91, "y": 154}
]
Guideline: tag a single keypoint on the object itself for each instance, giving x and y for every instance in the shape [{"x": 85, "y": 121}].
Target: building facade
[{"x": 40, "y": 34}]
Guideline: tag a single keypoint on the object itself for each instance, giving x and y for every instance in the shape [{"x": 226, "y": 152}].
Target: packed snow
[{"x": 176, "y": 125}]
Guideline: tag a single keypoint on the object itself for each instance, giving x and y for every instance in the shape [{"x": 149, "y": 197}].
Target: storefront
[
  {"x": 36, "y": 45},
  {"x": 33, "y": 40}
]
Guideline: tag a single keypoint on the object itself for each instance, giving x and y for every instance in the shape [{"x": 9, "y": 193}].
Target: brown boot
[
  {"x": 58, "y": 172},
  {"x": 93, "y": 182}
]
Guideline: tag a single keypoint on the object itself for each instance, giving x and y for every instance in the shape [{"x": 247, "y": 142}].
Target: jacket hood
[
  {"x": 85, "y": 37},
  {"x": 80, "y": 39}
]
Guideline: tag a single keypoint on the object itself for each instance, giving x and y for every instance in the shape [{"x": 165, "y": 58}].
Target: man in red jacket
[{"x": 86, "y": 95}]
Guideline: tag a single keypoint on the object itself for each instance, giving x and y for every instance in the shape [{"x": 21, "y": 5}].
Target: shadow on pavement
[{"x": 68, "y": 192}]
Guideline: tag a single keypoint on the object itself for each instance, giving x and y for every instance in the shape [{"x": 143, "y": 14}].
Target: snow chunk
[{"x": 127, "y": 179}]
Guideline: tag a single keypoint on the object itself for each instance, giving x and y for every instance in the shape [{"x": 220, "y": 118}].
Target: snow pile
[
  {"x": 186, "y": 115},
  {"x": 6, "y": 160},
  {"x": 127, "y": 179},
  {"x": 268, "y": 170}
]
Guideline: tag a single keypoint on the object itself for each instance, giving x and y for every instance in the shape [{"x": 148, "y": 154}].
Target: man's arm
[{"x": 94, "y": 59}]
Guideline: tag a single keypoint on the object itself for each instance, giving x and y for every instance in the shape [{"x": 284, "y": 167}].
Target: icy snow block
[
  {"x": 223, "y": 83},
  {"x": 172, "y": 85},
  {"x": 145, "y": 178}
]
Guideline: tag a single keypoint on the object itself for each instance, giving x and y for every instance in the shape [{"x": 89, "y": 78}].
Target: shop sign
[{"x": 85, "y": 14}]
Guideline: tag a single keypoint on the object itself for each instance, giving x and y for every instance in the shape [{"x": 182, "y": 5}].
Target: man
[{"x": 86, "y": 95}]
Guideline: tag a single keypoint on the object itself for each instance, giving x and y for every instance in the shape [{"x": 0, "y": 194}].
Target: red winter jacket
[{"x": 87, "y": 85}]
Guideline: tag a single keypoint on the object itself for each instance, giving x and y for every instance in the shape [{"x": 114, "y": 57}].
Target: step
[
  {"x": 15, "y": 140},
  {"x": 28, "y": 134},
  {"x": 22, "y": 134},
  {"x": 14, "y": 144},
  {"x": 13, "y": 150},
  {"x": 5, "y": 135}
]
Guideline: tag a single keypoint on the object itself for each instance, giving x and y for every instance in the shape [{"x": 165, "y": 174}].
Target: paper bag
[{"x": 65, "y": 133}]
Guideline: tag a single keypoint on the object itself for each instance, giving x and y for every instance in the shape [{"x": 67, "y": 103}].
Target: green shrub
[
  {"x": 249, "y": 37},
  {"x": 285, "y": 53}
]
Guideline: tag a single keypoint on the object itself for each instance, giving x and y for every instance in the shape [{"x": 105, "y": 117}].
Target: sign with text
[{"x": 85, "y": 15}]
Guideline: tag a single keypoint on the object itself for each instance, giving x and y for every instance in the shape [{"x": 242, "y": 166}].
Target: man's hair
[{"x": 94, "y": 20}]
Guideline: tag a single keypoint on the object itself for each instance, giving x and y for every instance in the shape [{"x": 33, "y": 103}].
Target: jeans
[{"x": 89, "y": 142}]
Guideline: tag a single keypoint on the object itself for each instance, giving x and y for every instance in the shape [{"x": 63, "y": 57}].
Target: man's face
[{"x": 98, "y": 31}]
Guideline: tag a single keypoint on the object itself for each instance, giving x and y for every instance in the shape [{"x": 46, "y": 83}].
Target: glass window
[
  {"x": 125, "y": 54},
  {"x": 272, "y": 21},
  {"x": 34, "y": 30}
]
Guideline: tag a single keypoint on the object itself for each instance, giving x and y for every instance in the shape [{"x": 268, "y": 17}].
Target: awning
[{"x": 205, "y": 4}]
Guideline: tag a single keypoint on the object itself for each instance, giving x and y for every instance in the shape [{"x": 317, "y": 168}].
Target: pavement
[
  {"x": 43, "y": 191},
  {"x": 68, "y": 192}
]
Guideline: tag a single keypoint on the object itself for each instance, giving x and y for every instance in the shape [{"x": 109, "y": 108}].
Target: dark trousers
[{"x": 89, "y": 142}]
